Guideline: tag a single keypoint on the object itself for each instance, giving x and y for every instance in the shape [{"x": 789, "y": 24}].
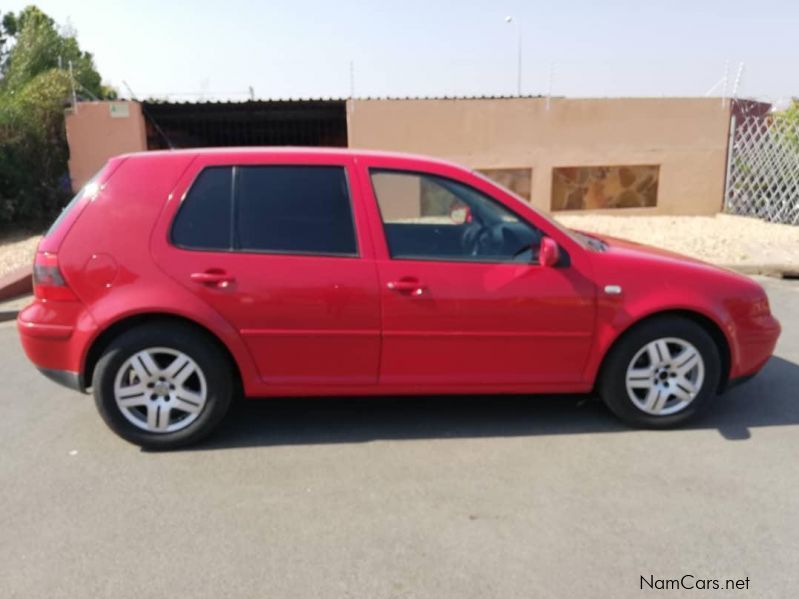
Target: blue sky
[{"x": 302, "y": 48}]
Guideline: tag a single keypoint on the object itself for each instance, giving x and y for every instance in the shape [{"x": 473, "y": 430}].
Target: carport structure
[{"x": 253, "y": 123}]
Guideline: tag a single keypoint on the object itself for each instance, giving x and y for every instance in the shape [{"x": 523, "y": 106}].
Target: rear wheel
[
  {"x": 162, "y": 386},
  {"x": 661, "y": 373}
]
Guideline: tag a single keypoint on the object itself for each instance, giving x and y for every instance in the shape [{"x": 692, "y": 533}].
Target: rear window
[
  {"x": 294, "y": 209},
  {"x": 277, "y": 209},
  {"x": 51, "y": 241},
  {"x": 87, "y": 190}
]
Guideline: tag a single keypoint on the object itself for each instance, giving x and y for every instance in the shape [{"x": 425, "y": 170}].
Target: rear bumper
[
  {"x": 55, "y": 336},
  {"x": 71, "y": 380}
]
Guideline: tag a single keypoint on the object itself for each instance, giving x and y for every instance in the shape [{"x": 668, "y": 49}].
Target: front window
[
  {"x": 435, "y": 218},
  {"x": 517, "y": 180}
]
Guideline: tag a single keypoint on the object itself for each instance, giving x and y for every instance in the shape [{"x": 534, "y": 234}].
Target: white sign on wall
[{"x": 119, "y": 110}]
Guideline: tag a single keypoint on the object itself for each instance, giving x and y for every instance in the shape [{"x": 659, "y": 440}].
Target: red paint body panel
[{"x": 322, "y": 325}]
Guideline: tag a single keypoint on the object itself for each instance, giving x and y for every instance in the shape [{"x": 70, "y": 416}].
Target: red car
[{"x": 177, "y": 280}]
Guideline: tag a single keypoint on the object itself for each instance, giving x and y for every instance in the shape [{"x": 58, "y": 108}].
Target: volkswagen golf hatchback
[{"x": 178, "y": 280}]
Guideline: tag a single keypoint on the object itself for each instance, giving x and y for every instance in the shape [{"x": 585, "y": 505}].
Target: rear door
[{"x": 272, "y": 243}]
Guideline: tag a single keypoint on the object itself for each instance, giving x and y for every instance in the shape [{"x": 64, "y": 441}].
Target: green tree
[
  {"x": 35, "y": 88},
  {"x": 787, "y": 122}
]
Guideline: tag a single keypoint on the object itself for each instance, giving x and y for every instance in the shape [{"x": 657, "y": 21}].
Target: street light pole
[{"x": 510, "y": 20}]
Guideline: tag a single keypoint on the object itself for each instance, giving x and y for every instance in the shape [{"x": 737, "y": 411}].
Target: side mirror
[{"x": 548, "y": 252}]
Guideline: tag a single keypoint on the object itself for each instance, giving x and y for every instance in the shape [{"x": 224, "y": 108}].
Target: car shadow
[{"x": 770, "y": 399}]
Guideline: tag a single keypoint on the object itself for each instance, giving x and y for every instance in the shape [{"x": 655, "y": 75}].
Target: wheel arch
[
  {"x": 127, "y": 323},
  {"x": 710, "y": 326}
]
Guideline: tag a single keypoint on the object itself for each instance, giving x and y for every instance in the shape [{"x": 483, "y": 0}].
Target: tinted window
[
  {"x": 430, "y": 217},
  {"x": 294, "y": 209},
  {"x": 203, "y": 221},
  {"x": 90, "y": 187}
]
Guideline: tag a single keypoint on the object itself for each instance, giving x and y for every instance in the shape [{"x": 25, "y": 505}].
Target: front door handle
[
  {"x": 407, "y": 285},
  {"x": 212, "y": 278}
]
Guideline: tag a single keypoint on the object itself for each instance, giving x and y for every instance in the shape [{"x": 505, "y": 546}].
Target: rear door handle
[
  {"x": 212, "y": 278},
  {"x": 407, "y": 285}
]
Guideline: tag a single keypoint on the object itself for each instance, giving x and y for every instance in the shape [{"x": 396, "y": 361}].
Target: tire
[
  {"x": 163, "y": 386},
  {"x": 648, "y": 389}
]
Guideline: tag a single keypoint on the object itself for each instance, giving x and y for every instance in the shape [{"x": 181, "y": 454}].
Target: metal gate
[{"x": 763, "y": 168}]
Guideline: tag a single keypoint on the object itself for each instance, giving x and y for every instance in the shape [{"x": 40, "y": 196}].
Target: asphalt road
[{"x": 372, "y": 498}]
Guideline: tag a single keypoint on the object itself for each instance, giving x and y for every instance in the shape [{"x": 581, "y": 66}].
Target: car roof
[{"x": 277, "y": 151}]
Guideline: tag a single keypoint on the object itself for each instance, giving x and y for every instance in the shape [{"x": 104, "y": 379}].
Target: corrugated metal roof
[{"x": 336, "y": 99}]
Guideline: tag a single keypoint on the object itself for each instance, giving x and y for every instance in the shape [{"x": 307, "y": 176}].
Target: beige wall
[
  {"x": 98, "y": 130},
  {"x": 686, "y": 137}
]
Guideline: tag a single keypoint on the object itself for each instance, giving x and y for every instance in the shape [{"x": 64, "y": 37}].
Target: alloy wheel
[
  {"x": 160, "y": 390},
  {"x": 665, "y": 376}
]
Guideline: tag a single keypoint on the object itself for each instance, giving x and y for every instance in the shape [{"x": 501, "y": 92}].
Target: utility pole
[
  {"x": 510, "y": 20},
  {"x": 74, "y": 95}
]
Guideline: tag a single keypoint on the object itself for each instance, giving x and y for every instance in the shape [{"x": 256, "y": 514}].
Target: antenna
[
  {"x": 738, "y": 77},
  {"x": 726, "y": 79},
  {"x": 130, "y": 91},
  {"x": 352, "y": 79}
]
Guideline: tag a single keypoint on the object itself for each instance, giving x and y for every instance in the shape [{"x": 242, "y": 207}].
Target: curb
[
  {"x": 15, "y": 283},
  {"x": 10, "y": 308},
  {"x": 6, "y": 315},
  {"x": 779, "y": 271}
]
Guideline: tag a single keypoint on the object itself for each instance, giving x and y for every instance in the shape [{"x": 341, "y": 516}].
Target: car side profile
[{"x": 175, "y": 281}]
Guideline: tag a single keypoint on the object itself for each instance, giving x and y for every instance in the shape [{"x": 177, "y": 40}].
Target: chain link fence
[{"x": 763, "y": 169}]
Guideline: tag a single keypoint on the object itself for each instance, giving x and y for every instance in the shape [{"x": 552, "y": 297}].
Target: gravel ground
[
  {"x": 17, "y": 249},
  {"x": 720, "y": 239}
]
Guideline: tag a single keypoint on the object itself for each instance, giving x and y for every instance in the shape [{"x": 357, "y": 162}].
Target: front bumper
[{"x": 755, "y": 340}]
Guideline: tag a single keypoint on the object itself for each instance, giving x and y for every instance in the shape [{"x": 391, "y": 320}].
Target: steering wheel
[
  {"x": 472, "y": 232},
  {"x": 482, "y": 239}
]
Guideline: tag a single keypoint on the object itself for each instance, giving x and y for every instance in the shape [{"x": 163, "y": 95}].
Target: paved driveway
[{"x": 460, "y": 497}]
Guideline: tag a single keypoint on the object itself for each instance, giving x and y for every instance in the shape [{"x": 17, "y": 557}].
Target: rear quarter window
[{"x": 203, "y": 221}]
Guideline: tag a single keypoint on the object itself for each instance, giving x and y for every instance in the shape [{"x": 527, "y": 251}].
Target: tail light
[{"x": 48, "y": 282}]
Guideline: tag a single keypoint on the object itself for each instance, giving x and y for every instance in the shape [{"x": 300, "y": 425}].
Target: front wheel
[
  {"x": 162, "y": 387},
  {"x": 661, "y": 373}
]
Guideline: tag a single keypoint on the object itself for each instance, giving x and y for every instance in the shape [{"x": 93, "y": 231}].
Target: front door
[
  {"x": 273, "y": 248},
  {"x": 464, "y": 300}
]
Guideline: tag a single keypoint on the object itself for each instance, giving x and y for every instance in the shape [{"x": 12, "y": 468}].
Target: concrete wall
[
  {"x": 98, "y": 130},
  {"x": 686, "y": 137}
]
